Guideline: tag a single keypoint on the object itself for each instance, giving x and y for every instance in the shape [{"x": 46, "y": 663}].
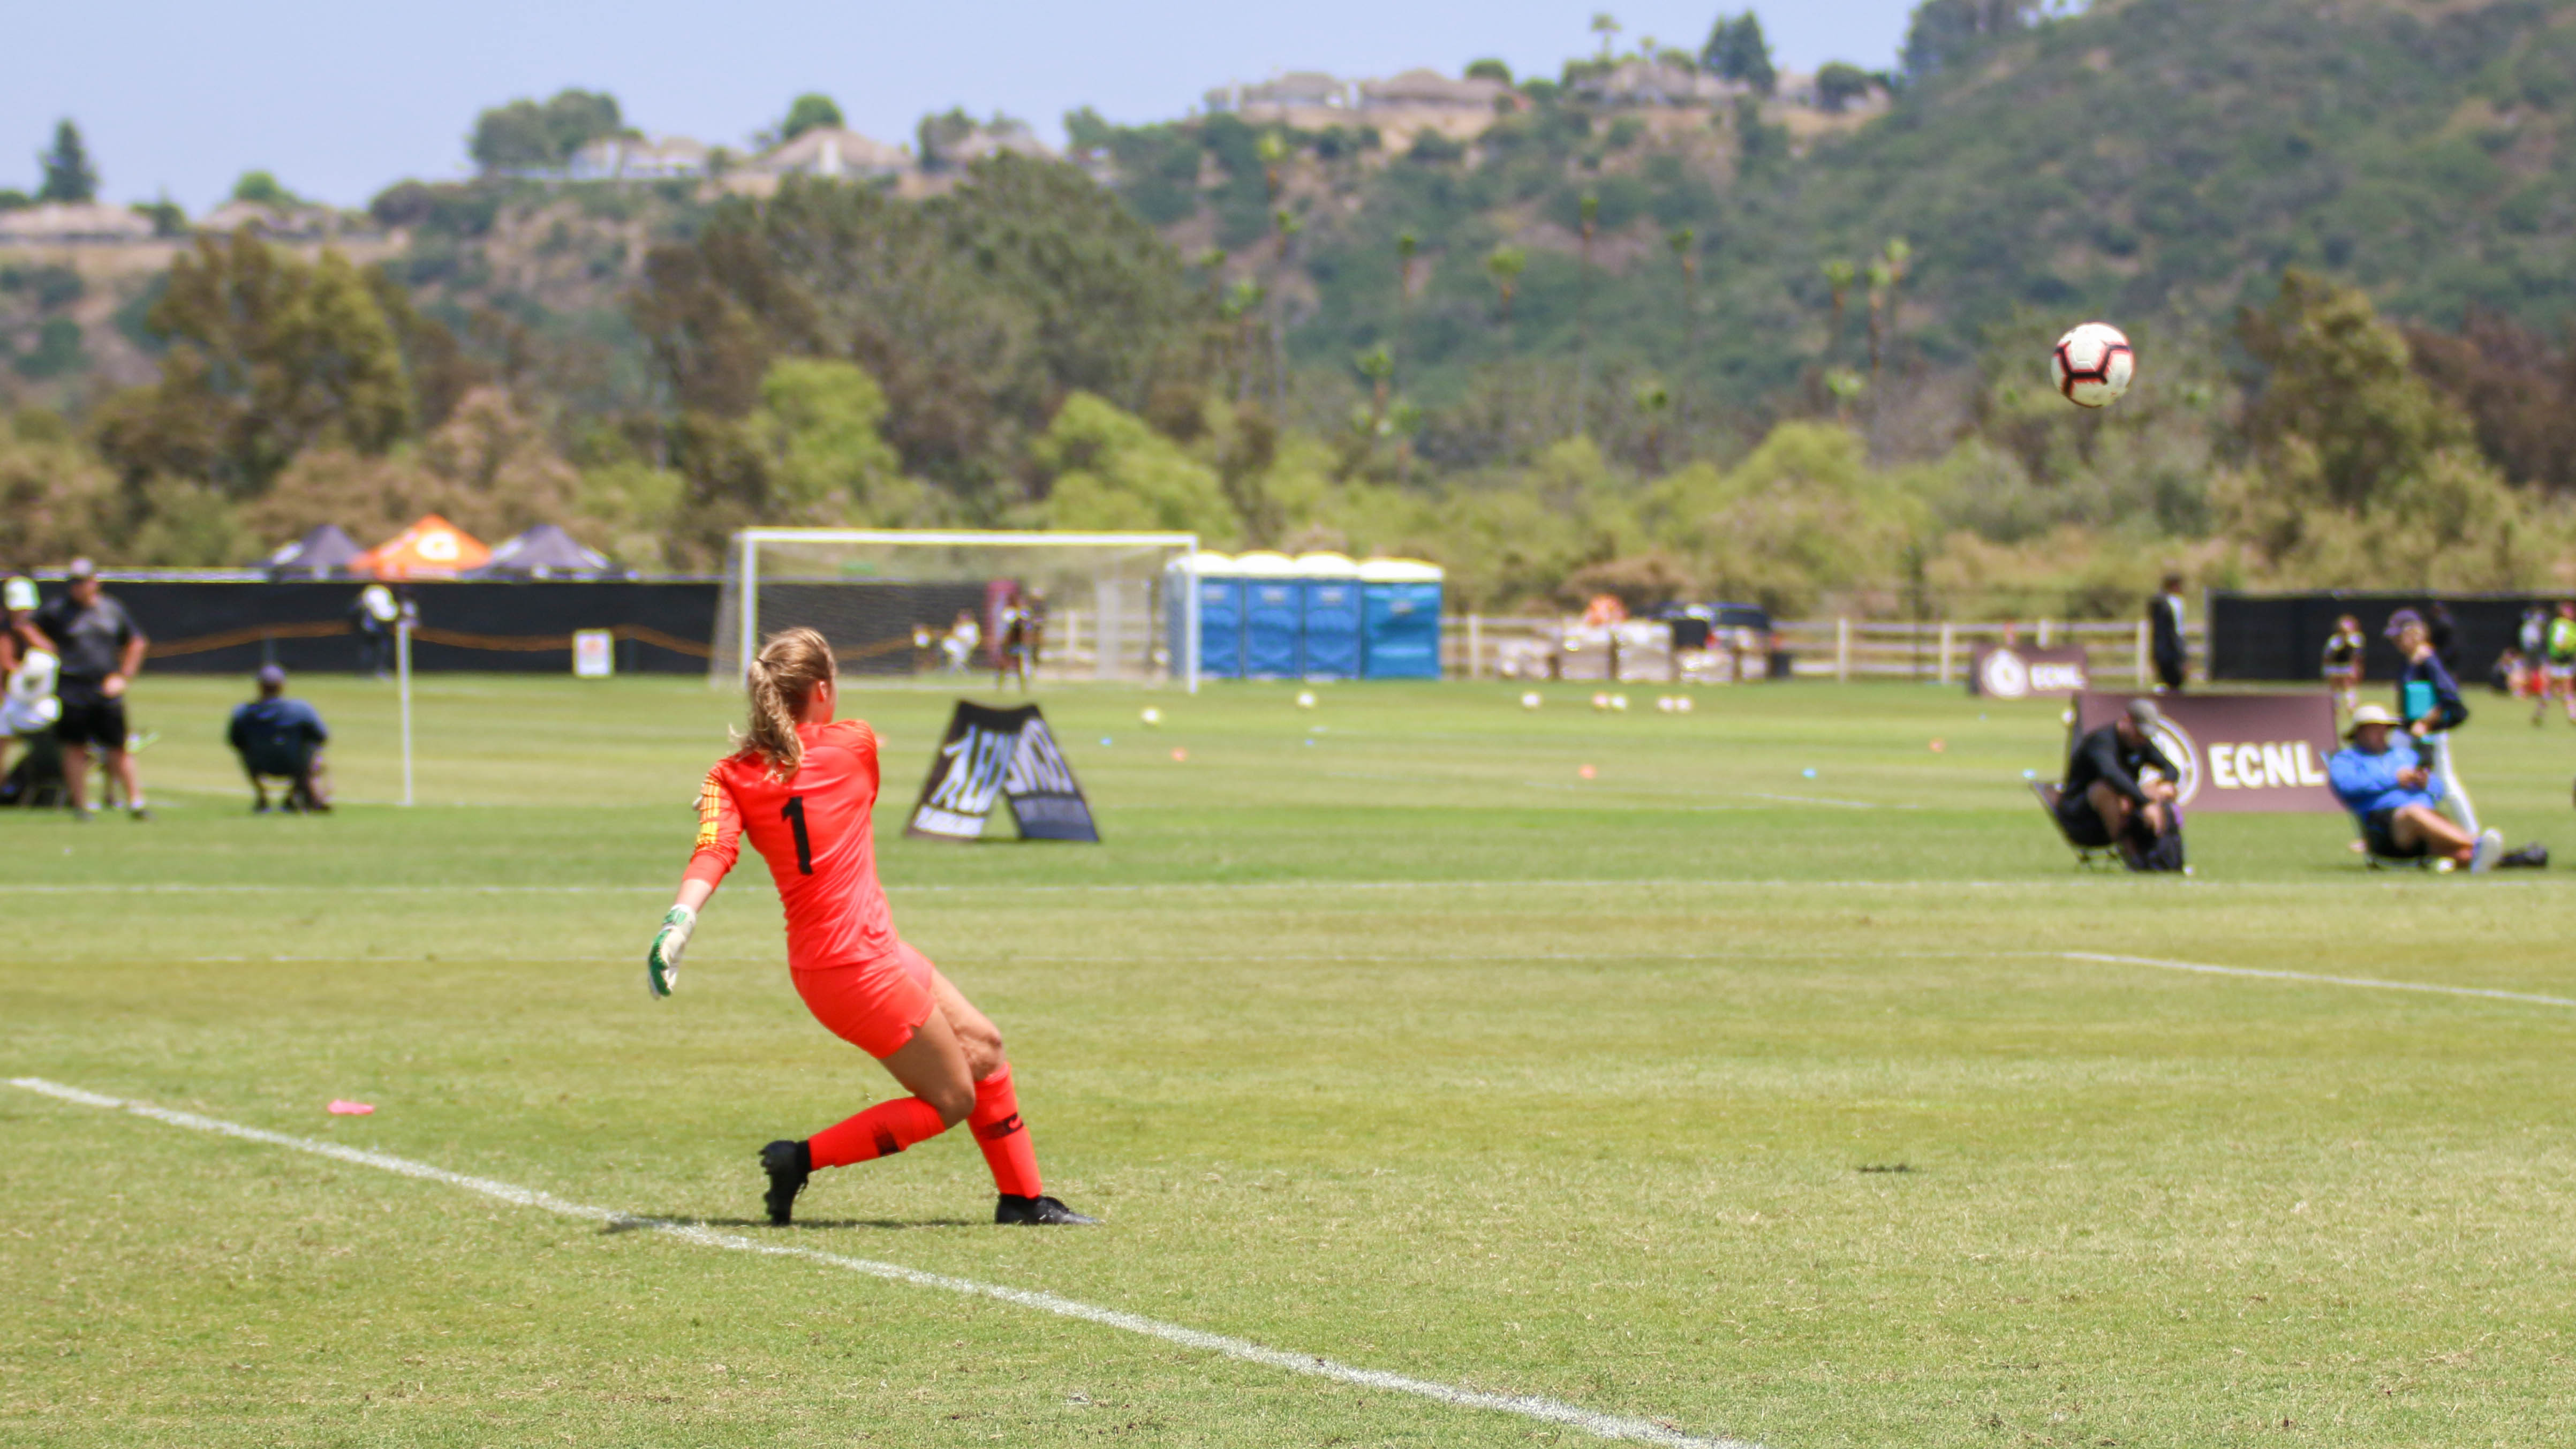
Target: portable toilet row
[{"x": 1317, "y": 616}]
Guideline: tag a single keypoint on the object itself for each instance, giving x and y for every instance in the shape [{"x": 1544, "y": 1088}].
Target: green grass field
[{"x": 1702, "y": 1092}]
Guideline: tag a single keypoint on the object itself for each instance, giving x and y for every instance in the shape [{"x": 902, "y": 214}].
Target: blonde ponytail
[{"x": 780, "y": 681}]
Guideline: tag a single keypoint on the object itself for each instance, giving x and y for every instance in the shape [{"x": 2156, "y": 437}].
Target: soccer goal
[{"x": 933, "y": 604}]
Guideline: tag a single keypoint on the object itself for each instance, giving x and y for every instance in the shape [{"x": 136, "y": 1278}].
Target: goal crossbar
[{"x": 746, "y": 576}]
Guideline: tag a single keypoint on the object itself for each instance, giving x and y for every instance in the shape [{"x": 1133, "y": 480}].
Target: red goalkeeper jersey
[{"x": 813, "y": 830}]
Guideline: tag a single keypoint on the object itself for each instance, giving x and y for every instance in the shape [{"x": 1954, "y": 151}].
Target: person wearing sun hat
[{"x": 2379, "y": 778}]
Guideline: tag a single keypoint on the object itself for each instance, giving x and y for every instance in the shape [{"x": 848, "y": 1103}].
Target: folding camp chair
[{"x": 2087, "y": 857}]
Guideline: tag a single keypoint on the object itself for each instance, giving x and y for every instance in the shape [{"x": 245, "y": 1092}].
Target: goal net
[{"x": 1081, "y": 605}]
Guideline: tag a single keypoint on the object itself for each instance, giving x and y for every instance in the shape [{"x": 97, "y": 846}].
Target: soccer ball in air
[{"x": 2093, "y": 364}]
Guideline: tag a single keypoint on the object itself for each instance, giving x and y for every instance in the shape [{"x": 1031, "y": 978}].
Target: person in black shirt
[
  {"x": 2164, "y": 620},
  {"x": 101, "y": 651},
  {"x": 2429, "y": 705},
  {"x": 2103, "y": 802}
]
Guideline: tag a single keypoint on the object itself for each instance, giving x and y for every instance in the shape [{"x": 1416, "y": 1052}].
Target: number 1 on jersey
[{"x": 793, "y": 812}]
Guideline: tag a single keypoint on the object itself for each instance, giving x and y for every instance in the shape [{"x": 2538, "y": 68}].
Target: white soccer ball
[
  {"x": 1619, "y": 702},
  {"x": 1664, "y": 702},
  {"x": 2093, "y": 364},
  {"x": 1601, "y": 702},
  {"x": 1530, "y": 700},
  {"x": 1305, "y": 699},
  {"x": 1682, "y": 702},
  {"x": 1151, "y": 716}
]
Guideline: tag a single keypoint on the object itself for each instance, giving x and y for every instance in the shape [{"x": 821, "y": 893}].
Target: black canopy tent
[
  {"x": 545, "y": 552},
  {"x": 323, "y": 553}
]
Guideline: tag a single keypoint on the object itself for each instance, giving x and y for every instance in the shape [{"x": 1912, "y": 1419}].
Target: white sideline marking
[
  {"x": 2052, "y": 881},
  {"x": 1528, "y": 1406},
  {"x": 2205, "y": 970}
]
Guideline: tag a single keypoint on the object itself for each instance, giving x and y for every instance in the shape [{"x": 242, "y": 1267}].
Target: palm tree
[
  {"x": 1882, "y": 280},
  {"x": 1839, "y": 276},
  {"x": 1900, "y": 254},
  {"x": 1405, "y": 246},
  {"x": 1583, "y": 308},
  {"x": 1505, "y": 264},
  {"x": 1607, "y": 27},
  {"x": 1685, "y": 244},
  {"x": 1272, "y": 148}
]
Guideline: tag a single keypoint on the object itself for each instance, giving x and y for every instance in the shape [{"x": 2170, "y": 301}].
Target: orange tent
[{"x": 430, "y": 549}]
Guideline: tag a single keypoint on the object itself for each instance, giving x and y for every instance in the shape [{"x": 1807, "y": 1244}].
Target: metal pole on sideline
[{"x": 402, "y": 674}]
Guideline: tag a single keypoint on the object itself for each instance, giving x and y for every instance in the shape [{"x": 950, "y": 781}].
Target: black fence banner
[
  {"x": 2013, "y": 671},
  {"x": 1006, "y": 755},
  {"x": 2237, "y": 752}
]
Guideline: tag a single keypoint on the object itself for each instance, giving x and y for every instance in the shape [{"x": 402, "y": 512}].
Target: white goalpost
[{"x": 899, "y": 603}]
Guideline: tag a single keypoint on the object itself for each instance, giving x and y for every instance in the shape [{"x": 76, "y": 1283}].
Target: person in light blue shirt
[
  {"x": 2381, "y": 779},
  {"x": 281, "y": 738}
]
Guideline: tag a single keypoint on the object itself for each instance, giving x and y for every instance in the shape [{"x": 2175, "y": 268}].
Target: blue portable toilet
[
  {"x": 1400, "y": 612},
  {"x": 1274, "y": 616},
  {"x": 1220, "y": 595},
  {"x": 1331, "y": 584}
]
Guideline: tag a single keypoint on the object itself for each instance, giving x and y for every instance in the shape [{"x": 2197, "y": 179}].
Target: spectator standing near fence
[
  {"x": 2343, "y": 662},
  {"x": 374, "y": 616},
  {"x": 101, "y": 652},
  {"x": 2557, "y": 665},
  {"x": 2429, "y": 704},
  {"x": 2164, "y": 622}
]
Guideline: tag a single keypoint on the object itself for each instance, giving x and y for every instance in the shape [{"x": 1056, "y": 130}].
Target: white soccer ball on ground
[
  {"x": 2093, "y": 365},
  {"x": 1601, "y": 701},
  {"x": 1619, "y": 702},
  {"x": 1151, "y": 716},
  {"x": 1305, "y": 699},
  {"x": 1682, "y": 703},
  {"x": 1530, "y": 700}
]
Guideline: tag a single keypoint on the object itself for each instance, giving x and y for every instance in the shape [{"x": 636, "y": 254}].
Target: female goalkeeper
[{"x": 801, "y": 787}]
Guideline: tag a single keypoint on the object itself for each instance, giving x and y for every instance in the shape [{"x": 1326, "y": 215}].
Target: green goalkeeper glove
[{"x": 662, "y": 963}]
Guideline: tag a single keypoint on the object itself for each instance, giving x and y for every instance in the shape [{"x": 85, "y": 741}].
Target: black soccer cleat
[
  {"x": 788, "y": 1165},
  {"x": 2534, "y": 856},
  {"x": 1038, "y": 1212}
]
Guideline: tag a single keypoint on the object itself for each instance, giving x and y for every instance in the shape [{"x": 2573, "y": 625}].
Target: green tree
[
  {"x": 268, "y": 356},
  {"x": 1839, "y": 83},
  {"x": 1108, "y": 470},
  {"x": 526, "y": 136},
  {"x": 261, "y": 188},
  {"x": 1504, "y": 264},
  {"x": 1944, "y": 32},
  {"x": 807, "y": 112},
  {"x": 1738, "y": 51},
  {"x": 1492, "y": 70},
  {"x": 70, "y": 176},
  {"x": 2339, "y": 407}
]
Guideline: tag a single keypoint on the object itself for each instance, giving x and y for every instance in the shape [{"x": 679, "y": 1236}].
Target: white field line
[
  {"x": 2365, "y": 981},
  {"x": 1528, "y": 1406},
  {"x": 2050, "y": 882}
]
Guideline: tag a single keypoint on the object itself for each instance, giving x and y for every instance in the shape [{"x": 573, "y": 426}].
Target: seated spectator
[
  {"x": 28, "y": 668},
  {"x": 280, "y": 738},
  {"x": 2105, "y": 802},
  {"x": 962, "y": 641},
  {"x": 2381, "y": 779}
]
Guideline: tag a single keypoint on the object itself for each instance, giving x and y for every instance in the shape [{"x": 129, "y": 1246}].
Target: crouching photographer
[{"x": 2106, "y": 801}]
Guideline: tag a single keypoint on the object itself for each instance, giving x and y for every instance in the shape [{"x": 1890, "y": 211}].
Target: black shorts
[
  {"x": 2379, "y": 832},
  {"x": 2082, "y": 823},
  {"x": 91, "y": 718}
]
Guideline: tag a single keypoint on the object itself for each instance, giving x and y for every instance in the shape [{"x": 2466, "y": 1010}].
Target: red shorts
[{"x": 876, "y": 1005}]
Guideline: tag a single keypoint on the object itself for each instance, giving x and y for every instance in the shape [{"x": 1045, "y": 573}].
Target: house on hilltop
[
  {"x": 1424, "y": 89},
  {"x": 1641, "y": 82},
  {"x": 632, "y": 158},
  {"x": 835, "y": 154},
  {"x": 1274, "y": 99},
  {"x": 277, "y": 223},
  {"x": 85, "y": 221}
]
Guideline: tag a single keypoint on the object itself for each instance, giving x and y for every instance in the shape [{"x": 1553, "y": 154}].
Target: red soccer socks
[
  {"x": 1003, "y": 1137},
  {"x": 882, "y": 1131}
]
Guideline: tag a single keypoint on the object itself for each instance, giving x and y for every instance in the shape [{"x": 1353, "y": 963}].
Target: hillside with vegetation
[{"x": 1665, "y": 322}]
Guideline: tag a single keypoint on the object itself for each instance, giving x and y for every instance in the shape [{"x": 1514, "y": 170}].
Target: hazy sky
[{"x": 342, "y": 99}]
